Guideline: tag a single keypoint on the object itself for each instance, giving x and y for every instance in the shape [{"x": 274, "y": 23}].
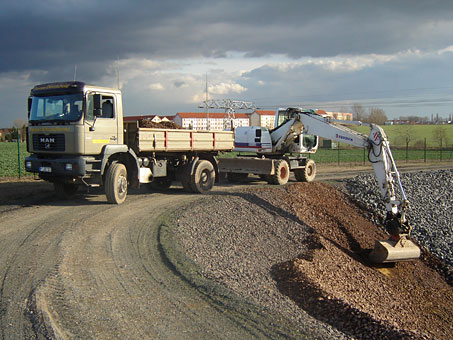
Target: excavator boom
[{"x": 398, "y": 247}]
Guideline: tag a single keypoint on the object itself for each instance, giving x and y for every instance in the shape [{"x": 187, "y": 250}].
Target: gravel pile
[
  {"x": 299, "y": 250},
  {"x": 237, "y": 239},
  {"x": 430, "y": 194},
  {"x": 147, "y": 123}
]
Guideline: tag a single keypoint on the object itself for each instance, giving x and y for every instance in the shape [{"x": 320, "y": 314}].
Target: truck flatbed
[{"x": 176, "y": 140}]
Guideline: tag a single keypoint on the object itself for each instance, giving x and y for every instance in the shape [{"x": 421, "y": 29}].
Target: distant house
[
  {"x": 210, "y": 120},
  {"x": 336, "y": 115},
  {"x": 262, "y": 118}
]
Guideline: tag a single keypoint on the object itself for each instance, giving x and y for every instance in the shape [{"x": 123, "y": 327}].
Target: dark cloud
[
  {"x": 47, "y": 34},
  {"x": 44, "y": 40}
]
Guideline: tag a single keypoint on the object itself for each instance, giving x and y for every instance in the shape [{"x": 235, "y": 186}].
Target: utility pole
[{"x": 207, "y": 108}]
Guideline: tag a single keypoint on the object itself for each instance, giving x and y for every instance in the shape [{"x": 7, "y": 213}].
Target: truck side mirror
[
  {"x": 30, "y": 100},
  {"x": 97, "y": 107}
]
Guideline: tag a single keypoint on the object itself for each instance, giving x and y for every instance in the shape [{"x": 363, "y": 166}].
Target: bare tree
[
  {"x": 406, "y": 135},
  {"x": 440, "y": 134},
  {"x": 359, "y": 112},
  {"x": 377, "y": 116}
]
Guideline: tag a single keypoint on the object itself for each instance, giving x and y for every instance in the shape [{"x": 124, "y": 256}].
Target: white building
[
  {"x": 262, "y": 118},
  {"x": 199, "y": 120},
  {"x": 336, "y": 115}
]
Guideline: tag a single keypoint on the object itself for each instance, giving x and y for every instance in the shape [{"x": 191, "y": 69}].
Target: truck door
[{"x": 103, "y": 129}]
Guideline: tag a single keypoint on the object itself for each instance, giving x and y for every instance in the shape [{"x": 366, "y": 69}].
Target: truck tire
[
  {"x": 306, "y": 174},
  {"x": 65, "y": 190},
  {"x": 203, "y": 177},
  {"x": 236, "y": 177},
  {"x": 281, "y": 175},
  {"x": 116, "y": 183}
]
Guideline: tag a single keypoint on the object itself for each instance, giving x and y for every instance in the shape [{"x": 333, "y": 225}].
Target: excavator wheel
[
  {"x": 306, "y": 174},
  {"x": 281, "y": 175}
]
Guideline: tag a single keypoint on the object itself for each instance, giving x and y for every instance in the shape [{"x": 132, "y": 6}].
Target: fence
[
  {"x": 357, "y": 156},
  {"x": 9, "y": 160}
]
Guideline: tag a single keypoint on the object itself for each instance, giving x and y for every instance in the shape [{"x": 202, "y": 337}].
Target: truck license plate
[{"x": 45, "y": 169}]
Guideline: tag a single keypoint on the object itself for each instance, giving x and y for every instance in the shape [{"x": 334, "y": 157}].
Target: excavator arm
[{"x": 398, "y": 248}]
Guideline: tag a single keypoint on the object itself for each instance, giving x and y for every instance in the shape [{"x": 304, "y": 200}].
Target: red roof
[
  {"x": 321, "y": 112},
  {"x": 219, "y": 115},
  {"x": 265, "y": 113}
]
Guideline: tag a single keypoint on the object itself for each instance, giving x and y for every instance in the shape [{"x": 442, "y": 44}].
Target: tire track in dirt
[{"x": 89, "y": 270}]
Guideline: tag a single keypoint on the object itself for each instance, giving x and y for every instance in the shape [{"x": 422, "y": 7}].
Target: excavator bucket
[{"x": 394, "y": 251}]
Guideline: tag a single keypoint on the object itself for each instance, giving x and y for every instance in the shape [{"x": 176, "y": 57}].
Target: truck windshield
[{"x": 67, "y": 107}]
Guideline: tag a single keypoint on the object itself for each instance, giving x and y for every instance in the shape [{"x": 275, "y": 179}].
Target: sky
[{"x": 395, "y": 55}]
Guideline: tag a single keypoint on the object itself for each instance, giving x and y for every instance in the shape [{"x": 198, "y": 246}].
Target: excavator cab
[{"x": 303, "y": 143}]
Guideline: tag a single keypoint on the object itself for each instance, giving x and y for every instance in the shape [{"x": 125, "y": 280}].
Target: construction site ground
[{"x": 247, "y": 262}]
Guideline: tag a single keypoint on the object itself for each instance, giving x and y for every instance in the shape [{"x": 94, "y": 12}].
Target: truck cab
[{"x": 73, "y": 129}]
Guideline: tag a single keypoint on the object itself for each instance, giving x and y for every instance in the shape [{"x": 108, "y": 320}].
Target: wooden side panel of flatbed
[{"x": 174, "y": 140}]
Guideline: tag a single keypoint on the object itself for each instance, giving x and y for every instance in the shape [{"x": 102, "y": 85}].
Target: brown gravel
[
  {"x": 408, "y": 296},
  {"x": 147, "y": 123},
  {"x": 328, "y": 278}
]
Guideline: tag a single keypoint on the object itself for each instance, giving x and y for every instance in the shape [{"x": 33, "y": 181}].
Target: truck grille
[{"x": 53, "y": 142}]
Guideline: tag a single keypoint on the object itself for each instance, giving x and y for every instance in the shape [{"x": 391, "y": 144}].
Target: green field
[
  {"x": 9, "y": 160},
  {"x": 417, "y": 134},
  {"x": 396, "y": 133}
]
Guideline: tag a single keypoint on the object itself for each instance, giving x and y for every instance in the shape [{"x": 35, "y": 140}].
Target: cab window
[{"x": 107, "y": 105}]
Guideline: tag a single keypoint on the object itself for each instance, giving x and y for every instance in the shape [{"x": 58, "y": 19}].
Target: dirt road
[
  {"x": 85, "y": 269},
  {"x": 89, "y": 270}
]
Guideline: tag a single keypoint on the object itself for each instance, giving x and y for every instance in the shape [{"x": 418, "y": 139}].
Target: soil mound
[
  {"x": 333, "y": 280},
  {"x": 147, "y": 123}
]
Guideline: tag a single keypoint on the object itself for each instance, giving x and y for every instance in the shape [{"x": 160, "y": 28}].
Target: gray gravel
[
  {"x": 430, "y": 194},
  {"x": 239, "y": 241}
]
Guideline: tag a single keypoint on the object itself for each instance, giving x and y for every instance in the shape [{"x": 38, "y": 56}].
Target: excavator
[{"x": 296, "y": 126}]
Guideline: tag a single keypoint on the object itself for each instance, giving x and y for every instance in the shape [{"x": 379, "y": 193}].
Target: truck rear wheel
[
  {"x": 203, "y": 177},
  {"x": 65, "y": 190},
  {"x": 306, "y": 174},
  {"x": 116, "y": 183},
  {"x": 281, "y": 175}
]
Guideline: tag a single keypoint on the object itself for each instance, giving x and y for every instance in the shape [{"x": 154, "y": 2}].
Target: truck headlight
[
  {"x": 68, "y": 166},
  {"x": 28, "y": 164}
]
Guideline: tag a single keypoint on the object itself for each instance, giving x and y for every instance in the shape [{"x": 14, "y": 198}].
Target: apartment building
[
  {"x": 210, "y": 120},
  {"x": 262, "y": 118}
]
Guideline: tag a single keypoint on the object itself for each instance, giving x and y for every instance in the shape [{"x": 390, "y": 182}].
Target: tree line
[{"x": 373, "y": 115}]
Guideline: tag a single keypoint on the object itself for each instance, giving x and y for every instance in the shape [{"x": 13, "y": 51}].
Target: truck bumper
[{"x": 52, "y": 169}]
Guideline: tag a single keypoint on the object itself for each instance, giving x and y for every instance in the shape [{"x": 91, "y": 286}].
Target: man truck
[{"x": 76, "y": 136}]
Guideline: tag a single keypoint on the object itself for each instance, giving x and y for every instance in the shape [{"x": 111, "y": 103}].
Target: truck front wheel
[
  {"x": 116, "y": 183},
  {"x": 203, "y": 177}
]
